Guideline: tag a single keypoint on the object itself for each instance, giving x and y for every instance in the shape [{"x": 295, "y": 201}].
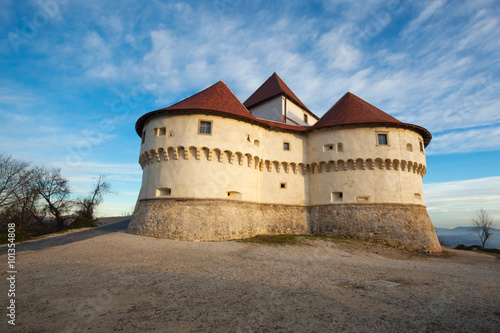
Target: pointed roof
[
  {"x": 217, "y": 98},
  {"x": 274, "y": 86},
  {"x": 351, "y": 110}
]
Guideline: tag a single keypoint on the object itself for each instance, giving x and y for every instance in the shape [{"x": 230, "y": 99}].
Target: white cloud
[
  {"x": 424, "y": 15},
  {"x": 455, "y": 203},
  {"x": 474, "y": 140}
]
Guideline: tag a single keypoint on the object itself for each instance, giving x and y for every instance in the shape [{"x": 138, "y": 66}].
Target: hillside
[{"x": 465, "y": 235}]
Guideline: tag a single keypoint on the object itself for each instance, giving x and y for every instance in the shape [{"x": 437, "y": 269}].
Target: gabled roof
[
  {"x": 352, "y": 110},
  {"x": 274, "y": 86},
  {"x": 217, "y": 98}
]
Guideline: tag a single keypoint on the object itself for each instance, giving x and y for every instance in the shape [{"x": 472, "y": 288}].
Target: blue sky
[{"x": 76, "y": 75}]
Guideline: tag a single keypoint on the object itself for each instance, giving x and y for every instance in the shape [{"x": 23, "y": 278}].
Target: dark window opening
[
  {"x": 205, "y": 127},
  {"x": 382, "y": 139}
]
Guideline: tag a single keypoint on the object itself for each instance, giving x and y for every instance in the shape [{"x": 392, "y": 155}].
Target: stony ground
[{"x": 105, "y": 280}]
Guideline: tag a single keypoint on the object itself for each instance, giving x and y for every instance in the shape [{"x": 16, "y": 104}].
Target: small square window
[
  {"x": 286, "y": 146},
  {"x": 382, "y": 139},
  {"x": 337, "y": 197},
  {"x": 162, "y": 131},
  {"x": 205, "y": 127},
  {"x": 282, "y": 185}
]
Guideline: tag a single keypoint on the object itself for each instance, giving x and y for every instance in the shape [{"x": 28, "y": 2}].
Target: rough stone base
[
  {"x": 404, "y": 226},
  {"x": 214, "y": 220}
]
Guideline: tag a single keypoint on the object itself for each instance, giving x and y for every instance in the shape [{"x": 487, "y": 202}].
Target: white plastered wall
[{"x": 360, "y": 149}]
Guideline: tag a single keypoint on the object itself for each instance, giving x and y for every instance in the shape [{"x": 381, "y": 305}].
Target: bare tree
[
  {"x": 87, "y": 205},
  {"x": 14, "y": 175},
  {"x": 54, "y": 193},
  {"x": 483, "y": 225}
]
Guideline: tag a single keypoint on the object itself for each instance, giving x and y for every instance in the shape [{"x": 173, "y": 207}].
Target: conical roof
[
  {"x": 217, "y": 98},
  {"x": 274, "y": 86},
  {"x": 351, "y": 109}
]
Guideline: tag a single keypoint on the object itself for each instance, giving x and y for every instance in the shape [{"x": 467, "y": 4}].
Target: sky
[{"x": 76, "y": 75}]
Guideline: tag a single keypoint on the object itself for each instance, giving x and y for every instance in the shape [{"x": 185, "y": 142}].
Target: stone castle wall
[{"x": 406, "y": 226}]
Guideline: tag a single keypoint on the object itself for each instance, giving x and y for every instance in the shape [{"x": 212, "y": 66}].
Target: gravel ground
[{"x": 105, "y": 280}]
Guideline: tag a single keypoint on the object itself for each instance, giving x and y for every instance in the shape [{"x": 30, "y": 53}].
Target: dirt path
[{"x": 109, "y": 281}]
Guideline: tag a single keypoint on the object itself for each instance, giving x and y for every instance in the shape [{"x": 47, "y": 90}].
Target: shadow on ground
[{"x": 68, "y": 238}]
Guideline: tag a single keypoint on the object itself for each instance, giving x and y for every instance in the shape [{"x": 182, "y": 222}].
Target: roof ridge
[
  {"x": 274, "y": 86},
  {"x": 351, "y": 109}
]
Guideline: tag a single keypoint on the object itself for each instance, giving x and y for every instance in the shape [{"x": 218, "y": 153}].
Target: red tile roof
[
  {"x": 219, "y": 99},
  {"x": 216, "y": 98},
  {"x": 351, "y": 109},
  {"x": 274, "y": 86}
]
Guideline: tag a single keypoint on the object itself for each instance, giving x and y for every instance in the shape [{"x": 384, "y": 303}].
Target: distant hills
[{"x": 467, "y": 236}]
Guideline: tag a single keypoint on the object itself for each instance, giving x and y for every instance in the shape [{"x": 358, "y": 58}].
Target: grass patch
[
  {"x": 294, "y": 239},
  {"x": 272, "y": 239},
  {"x": 477, "y": 248}
]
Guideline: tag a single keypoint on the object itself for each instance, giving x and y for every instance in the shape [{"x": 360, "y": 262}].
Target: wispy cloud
[{"x": 455, "y": 203}]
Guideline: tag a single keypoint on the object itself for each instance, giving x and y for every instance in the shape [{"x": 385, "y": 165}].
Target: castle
[{"x": 216, "y": 169}]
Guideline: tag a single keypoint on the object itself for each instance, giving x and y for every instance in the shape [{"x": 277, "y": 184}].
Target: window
[
  {"x": 329, "y": 147},
  {"x": 340, "y": 147},
  {"x": 382, "y": 139},
  {"x": 233, "y": 195},
  {"x": 337, "y": 196},
  {"x": 256, "y": 142},
  {"x": 286, "y": 145},
  {"x": 205, "y": 127},
  {"x": 162, "y": 131},
  {"x": 418, "y": 196},
  {"x": 163, "y": 192},
  {"x": 363, "y": 199},
  {"x": 155, "y": 132},
  {"x": 421, "y": 146},
  {"x": 305, "y": 118},
  {"x": 282, "y": 185},
  {"x": 409, "y": 147},
  {"x": 143, "y": 137}
]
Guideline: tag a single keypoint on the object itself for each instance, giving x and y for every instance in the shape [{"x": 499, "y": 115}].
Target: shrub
[
  {"x": 82, "y": 222},
  {"x": 21, "y": 236}
]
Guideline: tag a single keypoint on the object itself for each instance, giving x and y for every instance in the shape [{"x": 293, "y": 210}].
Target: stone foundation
[
  {"x": 215, "y": 220},
  {"x": 405, "y": 226}
]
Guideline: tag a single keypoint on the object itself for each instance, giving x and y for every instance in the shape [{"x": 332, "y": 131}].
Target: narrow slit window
[
  {"x": 163, "y": 192},
  {"x": 143, "y": 137},
  {"x": 421, "y": 146},
  {"x": 305, "y": 118}
]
